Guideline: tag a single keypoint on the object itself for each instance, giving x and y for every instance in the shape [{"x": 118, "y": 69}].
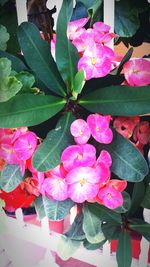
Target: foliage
[{"x": 97, "y": 162}]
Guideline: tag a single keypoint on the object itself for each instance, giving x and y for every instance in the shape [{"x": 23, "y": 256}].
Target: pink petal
[
  {"x": 90, "y": 175},
  {"x": 110, "y": 197},
  {"x": 105, "y": 157},
  {"x": 56, "y": 187},
  {"x": 25, "y": 145},
  {"x": 81, "y": 131}
]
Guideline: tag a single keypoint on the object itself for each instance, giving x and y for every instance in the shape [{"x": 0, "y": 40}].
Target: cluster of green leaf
[{"x": 67, "y": 96}]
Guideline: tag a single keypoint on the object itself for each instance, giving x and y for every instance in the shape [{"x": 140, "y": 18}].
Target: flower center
[
  {"x": 80, "y": 132},
  {"x": 79, "y": 157},
  {"x": 82, "y": 181},
  {"x": 93, "y": 60},
  {"x": 109, "y": 195},
  {"x": 135, "y": 71},
  {"x": 97, "y": 129}
]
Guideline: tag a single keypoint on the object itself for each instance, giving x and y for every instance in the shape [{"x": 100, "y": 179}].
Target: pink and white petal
[
  {"x": 57, "y": 188},
  {"x": 80, "y": 193}
]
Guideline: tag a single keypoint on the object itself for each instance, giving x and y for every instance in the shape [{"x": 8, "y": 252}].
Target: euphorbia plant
[{"x": 92, "y": 102}]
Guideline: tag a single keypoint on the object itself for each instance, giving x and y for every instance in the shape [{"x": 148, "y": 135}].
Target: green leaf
[
  {"x": 57, "y": 210},
  {"x": 9, "y": 85},
  {"x": 28, "y": 110},
  {"x": 37, "y": 54},
  {"x": 47, "y": 156},
  {"x": 126, "y": 203},
  {"x": 4, "y": 37},
  {"x": 111, "y": 230},
  {"x": 91, "y": 246},
  {"x": 78, "y": 83},
  {"x": 27, "y": 80},
  {"x": 146, "y": 201},
  {"x": 39, "y": 207},
  {"x": 123, "y": 61},
  {"x": 17, "y": 63},
  {"x": 92, "y": 225},
  {"x": 104, "y": 213},
  {"x": 126, "y": 19},
  {"x": 124, "y": 250},
  {"x": 118, "y": 100},
  {"x": 128, "y": 162},
  {"x": 10, "y": 177},
  {"x": 67, "y": 247},
  {"x": 142, "y": 227},
  {"x": 95, "y": 11},
  {"x": 66, "y": 53},
  {"x": 76, "y": 232},
  {"x": 137, "y": 197},
  {"x": 8, "y": 18}
]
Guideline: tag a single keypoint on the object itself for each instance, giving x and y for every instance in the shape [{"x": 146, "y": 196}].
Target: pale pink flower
[
  {"x": 75, "y": 28},
  {"x": 84, "y": 40},
  {"x": 81, "y": 131},
  {"x": 78, "y": 155},
  {"x": 83, "y": 183},
  {"x": 137, "y": 72},
  {"x": 53, "y": 45},
  {"x": 25, "y": 145},
  {"x": 56, "y": 188},
  {"x": 96, "y": 61},
  {"x": 110, "y": 197},
  {"x": 99, "y": 126}
]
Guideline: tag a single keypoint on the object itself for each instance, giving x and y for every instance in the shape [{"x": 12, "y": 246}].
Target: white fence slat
[{"x": 21, "y": 11}]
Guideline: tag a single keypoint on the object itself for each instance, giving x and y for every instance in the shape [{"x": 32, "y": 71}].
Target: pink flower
[
  {"x": 110, "y": 197},
  {"x": 85, "y": 40},
  {"x": 103, "y": 173},
  {"x": 96, "y": 61},
  {"x": 75, "y": 28},
  {"x": 101, "y": 27},
  {"x": 99, "y": 126},
  {"x": 142, "y": 133},
  {"x": 126, "y": 125},
  {"x": 81, "y": 131},
  {"x": 78, "y": 155},
  {"x": 104, "y": 157},
  {"x": 82, "y": 183},
  {"x": 56, "y": 188},
  {"x": 25, "y": 145},
  {"x": 137, "y": 72}
]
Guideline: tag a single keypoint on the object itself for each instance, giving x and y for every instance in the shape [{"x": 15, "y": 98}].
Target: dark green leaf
[
  {"x": 28, "y": 110},
  {"x": 111, "y": 230},
  {"x": 142, "y": 227},
  {"x": 10, "y": 177},
  {"x": 91, "y": 246},
  {"x": 95, "y": 11},
  {"x": 124, "y": 250},
  {"x": 39, "y": 207},
  {"x": 57, "y": 210},
  {"x": 137, "y": 197},
  {"x": 49, "y": 152},
  {"x": 27, "y": 80},
  {"x": 128, "y": 162},
  {"x": 126, "y": 203},
  {"x": 66, "y": 53},
  {"x": 16, "y": 62},
  {"x": 119, "y": 100},
  {"x": 76, "y": 232},
  {"x": 104, "y": 213},
  {"x": 8, "y": 18},
  {"x": 4, "y": 37},
  {"x": 146, "y": 201},
  {"x": 126, "y": 19},
  {"x": 92, "y": 225},
  {"x": 37, "y": 54},
  {"x": 67, "y": 247},
  {"x": 123, "y": 61}
]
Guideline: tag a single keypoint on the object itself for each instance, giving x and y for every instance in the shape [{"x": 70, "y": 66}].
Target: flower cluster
[
  {"x": 135, "y": 130},
  {"x": 80, "y": 175},
  {"x": 17, "y": 146},
  {"x": 97, "y": 59}
]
